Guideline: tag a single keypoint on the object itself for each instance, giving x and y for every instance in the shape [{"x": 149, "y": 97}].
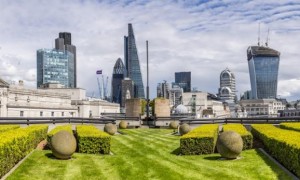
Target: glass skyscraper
[
  {"x": 116, "y": 84},
  {"x": 263, "y": 65},
  {"x": 183, "y": 80},
  {"x": 55, "y": 66},
  {"x": 133, "y": 64}
]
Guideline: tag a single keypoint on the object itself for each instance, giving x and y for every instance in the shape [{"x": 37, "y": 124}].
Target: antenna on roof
[
  {"x": 267, "y": 41},
  {"x": 258, "y": 43}
]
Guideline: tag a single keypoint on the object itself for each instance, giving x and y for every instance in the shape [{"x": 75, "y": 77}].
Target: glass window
[
  {"x": 21, "y": 113},
  {"x": 52, "y": 114},
  {"x": 41, "y": 113}
]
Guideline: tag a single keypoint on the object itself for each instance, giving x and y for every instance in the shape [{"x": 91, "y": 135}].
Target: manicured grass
[{"x": 147, "y": 154}]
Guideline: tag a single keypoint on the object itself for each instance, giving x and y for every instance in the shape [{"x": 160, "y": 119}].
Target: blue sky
[{"x": 203, "y": 37}]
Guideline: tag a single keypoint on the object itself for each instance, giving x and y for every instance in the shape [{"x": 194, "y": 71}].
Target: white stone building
[
  {"x": 262, "y": 107},
  {"x": 227, "y": 88}
]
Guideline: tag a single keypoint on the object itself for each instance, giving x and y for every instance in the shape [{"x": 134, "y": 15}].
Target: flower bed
[
  {"x": 290, "y": 126},
  {"x": 282, "y": 144},
  {"x": 240, "y": 129},
  {"x": 16, "y": 144},
  {"x": 201, "y": 140},
  {"x": 4, "y": 128},
  {"x": 91, "y": 140}
]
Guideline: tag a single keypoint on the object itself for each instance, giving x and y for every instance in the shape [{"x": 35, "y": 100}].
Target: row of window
[{"x": 52, "y": 114}]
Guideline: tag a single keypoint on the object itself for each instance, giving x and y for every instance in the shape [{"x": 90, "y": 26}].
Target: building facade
[
  {"x": 127, "y": 88},
  {"x": 227, "y": 88},
  {"x": 132, "y": 63},
  {"x": 183, "y": 79},
  {"x": 116, "y": 83},
  {"x": 55, "y": 66},
  {"x": 163, "y": 90},
  {"x": 175, "y": 94},
  {"x": 262, "y": 107},
  {"x": 64, "y": 42},
  {"x": 263, "y": 65}
]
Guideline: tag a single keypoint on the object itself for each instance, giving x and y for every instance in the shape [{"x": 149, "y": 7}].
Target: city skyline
[{"x": 203, "y": 38}]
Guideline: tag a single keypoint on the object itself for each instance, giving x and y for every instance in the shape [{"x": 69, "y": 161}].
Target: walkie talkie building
[{"x": 263, "y": 65}]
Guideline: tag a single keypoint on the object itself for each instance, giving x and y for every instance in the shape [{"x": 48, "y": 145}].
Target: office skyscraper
[
  {"x": 116, "y": 84},
  {"x": 133, "y": 64},
  {"x": 163, "y": 90},
  {"x": 64, "y": 42},
  {"x": 263, "y": 65},
  {"x": 227, "y": 85},
  {"x": 183, "y": 79},
  {"x": 55, "y": 66}
]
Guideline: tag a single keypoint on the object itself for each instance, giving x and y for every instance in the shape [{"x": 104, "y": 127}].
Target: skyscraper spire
[{"x": 133, "y": 64}]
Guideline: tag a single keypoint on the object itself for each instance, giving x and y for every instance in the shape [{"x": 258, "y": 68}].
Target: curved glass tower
[
  {"x": 263, "y": 65},
  {"x": 133, "y": 64},
  {"x": 116, "y": 84}
]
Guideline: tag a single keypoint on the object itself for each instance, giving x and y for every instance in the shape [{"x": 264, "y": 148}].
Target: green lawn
[{"x": 147, "y": 154}]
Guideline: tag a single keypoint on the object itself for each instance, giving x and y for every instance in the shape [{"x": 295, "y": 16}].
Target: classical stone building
[{"x": 262, "y": 107}]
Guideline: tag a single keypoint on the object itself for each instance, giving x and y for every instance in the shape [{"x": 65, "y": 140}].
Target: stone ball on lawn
[
  {"x": 173, "y": 125},
  {"x": 123, "y": 124},
  {"x": 110, "y": 128},
  {"x": 229, "y": 144},
  {"x": 184, "y": 129},
  {"x": 63, "y": 144}
]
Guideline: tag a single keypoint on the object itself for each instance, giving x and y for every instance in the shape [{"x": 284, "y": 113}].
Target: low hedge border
[
  {"x": 91, "y": 140},
  {"x": 240, "y": 129},
  {"x": 16, "y": 144},
  {"x": 57, "y": 129},
  {"x": 4, "y": 128},
  {"x": 290, "y": 126},
  {"x": 282, "y": 144},
  {"x": 201, "y": 140}
]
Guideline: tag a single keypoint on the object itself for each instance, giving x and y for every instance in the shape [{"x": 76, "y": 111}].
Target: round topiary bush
[
  {"x": 123, "y": 124},
  {"x": 173, "y": 125},
  {"x": 229, "y": 144},
  {"x": 184, "y": 128},
  {"x": 63, "y": 144},
  {"x": 110, "y": 128}
]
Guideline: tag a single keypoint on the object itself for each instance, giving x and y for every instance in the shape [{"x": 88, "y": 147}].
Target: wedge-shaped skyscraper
[
  {"x": 132, "y": 63},
  {"x": 263, "y": 65}
]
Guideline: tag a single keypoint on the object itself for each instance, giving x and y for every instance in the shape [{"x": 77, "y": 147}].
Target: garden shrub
[
  {"x": 4, "y": 128},
  {"x": 184, "y": 129},
  {"x": 230, "y": 144},
  {"x": 290, "y": 126},
  {"x": 17, "y": 143},
  {"x": 282, "y": 144},
  {"x": 91, "y": 140},
  {"x": 201, "y": 140},
  {"x": 240, "y": 129},
  {"x": 110, "y": 128}
]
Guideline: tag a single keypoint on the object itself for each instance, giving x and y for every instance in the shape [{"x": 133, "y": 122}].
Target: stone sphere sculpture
[
  {"x": 173, "y": 125},
  {"x": 229, "y": 144},
  {"x": 184, "y": 128},
  {"x": 63, "y": 144},
  {"x": 110, "y": 128},
  {"x": 123, "y": 124}
]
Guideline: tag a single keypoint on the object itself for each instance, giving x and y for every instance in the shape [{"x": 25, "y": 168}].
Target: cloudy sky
[{"x": 203, "y": 37}]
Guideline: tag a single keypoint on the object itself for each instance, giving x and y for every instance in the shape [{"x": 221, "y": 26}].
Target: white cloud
[{"x": 204, "y": 38}]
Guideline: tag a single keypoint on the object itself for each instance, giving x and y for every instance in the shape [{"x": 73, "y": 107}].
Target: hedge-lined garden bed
[
  {"x": 240, "y": 129},
  {"x": 16, "y": 144},
  {"x": 201, "y": 140},
  {"x": 91, "y": 140},
  {"x": 290, "y": 126},
  {"x": 282, "y": 144},
  {"x": 4, "y": 128}
]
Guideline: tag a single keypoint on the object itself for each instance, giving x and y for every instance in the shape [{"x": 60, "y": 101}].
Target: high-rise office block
[
  {"x": 163, "y": 90},
  {"x": 116, "y": 83},
  {"x": 64, "y": 42},
  {"x": 183, "y": 79},
  {"x": 263, "y": 65},
  {"x": 55, "y": 66},
  {"x": 227, "y": 85},
  {"x": 133, "y": 64}
]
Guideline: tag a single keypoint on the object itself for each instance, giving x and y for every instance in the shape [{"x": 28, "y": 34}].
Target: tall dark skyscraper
[
  {"x": 183, "y": 79},
  {"x": 133, "y": 64},
  {"x": 116, "y": 83},
  {"x": 64, "y": 42},
  {"x": 263, "y": 65}
]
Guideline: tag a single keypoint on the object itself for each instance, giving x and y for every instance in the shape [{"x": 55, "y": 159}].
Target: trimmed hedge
[
  {"x": 201, "y": 140},
  {"x": 91, "y": 140},
  {"x": 240, "y": 129},
  {"x": 57, "y": 129},
  {"x": 16, "y": 144},
  {"x": 4, "y": 128},
  {"x": 290, "y": 126},
  {"x": 282, "y": 144}
]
